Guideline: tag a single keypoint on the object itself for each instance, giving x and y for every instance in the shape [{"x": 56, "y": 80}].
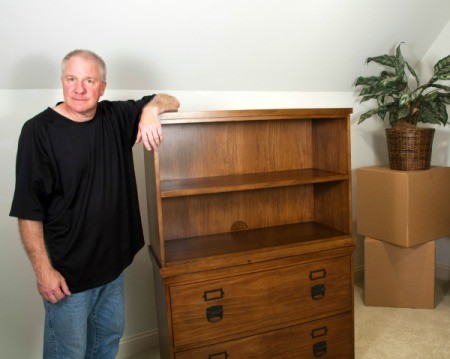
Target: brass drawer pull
[
  {"x": 320, "y": 349},
  {"x": 222, "y": 355},
  {"x": 319, "y": 332},
  {"x": 317, "y": 274},
  {"x": 318, "y": 291},
  {"x": 214, "y": 313},
  {"x": 213, "y": 294}
]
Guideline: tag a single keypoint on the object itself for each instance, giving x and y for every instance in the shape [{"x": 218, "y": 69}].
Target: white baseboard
[{"x": 136, "y": 344}]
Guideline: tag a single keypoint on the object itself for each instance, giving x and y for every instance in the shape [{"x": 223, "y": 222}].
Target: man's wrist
[{"x": 153, "y": 107}]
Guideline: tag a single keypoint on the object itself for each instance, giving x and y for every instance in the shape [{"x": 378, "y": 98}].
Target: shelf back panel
[
  {"x": 332, "y": 205},
  {"x": 331, "y": 145},
  {"x": 202, "y": 215},
  {"x": 233, "y": 148}
]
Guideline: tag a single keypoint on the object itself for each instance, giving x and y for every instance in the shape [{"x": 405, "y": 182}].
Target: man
[{"x": 76, "y": 201}]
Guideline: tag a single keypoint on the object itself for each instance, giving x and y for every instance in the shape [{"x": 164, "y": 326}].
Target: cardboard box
[
  {"x": 403, "y": 207},
  {"x": 399, "y": 277}
]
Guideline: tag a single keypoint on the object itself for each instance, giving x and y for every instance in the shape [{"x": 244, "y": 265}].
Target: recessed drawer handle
[
  {"x": 318, "y": 291},
  {"x": 222, "y": 355},
  {"x": 214, "y": 313},
  {"x": 320, "y": 349},
  {"x": 213, "y": 294},
  {"x": 317, "y": 274},
  {"x": 319, "y": 332}
]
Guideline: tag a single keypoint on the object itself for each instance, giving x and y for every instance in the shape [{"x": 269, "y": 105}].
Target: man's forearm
[
  {"x": 163, "y": 103},
  {"x": 32, "y": 234},
  {"x": 50, "y": 283}
]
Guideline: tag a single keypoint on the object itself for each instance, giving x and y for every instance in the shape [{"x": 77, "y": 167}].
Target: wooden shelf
[
  {"x": 172, "y": 118},
  {"x": 261, "y": 239},
  {"x": 247, "y": 209},
  {"x": 219, "y": 184}
]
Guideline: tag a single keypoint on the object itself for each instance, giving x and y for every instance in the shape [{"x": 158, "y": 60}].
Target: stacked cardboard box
[{"x": 401, "y": 213}]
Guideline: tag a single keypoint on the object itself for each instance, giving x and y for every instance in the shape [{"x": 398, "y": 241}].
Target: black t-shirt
[{"x": 78, "y": 179}]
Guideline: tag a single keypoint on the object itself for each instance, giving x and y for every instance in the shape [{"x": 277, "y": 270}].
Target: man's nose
[{"x": 79, "y": 87}]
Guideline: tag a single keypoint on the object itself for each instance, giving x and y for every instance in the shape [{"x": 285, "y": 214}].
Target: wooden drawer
[
  {"x": 328, "y": 338},
  {"x": 220, "y": 308}
]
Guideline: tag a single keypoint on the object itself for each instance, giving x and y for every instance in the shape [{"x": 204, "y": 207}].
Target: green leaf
[
  {"x": 394, "y": 82},
  {"x": 445, "y": 98},
  {"x": 411, "y": 70},
  {"x": 407, "y": 98},
  {"x": 387, "y": 76},
  {"x": 367, "y": 81},
  {"x": 382, "y": 113},
  {"x": 369, "y": 89},
  {"x": 442, "y": 87},
  {"x": 387, "y": 60},
  {"x": 369, "y": 97},
  {"x": 429, "y": 98},
  {"x": 442, "y": 65},
  {"x": 399, "y": 63},
  {"x": 368, "y": 114},
  {"x": 433, "y": 111},
  {"x": 373, "y": 91},
  {"x": 386, "y": 84},
  {"x": 393, "y": 110},
  {"x": 443, "y": 75},
  {"x": 381, "y": 100},
  {"x": 403, "y": 112}
]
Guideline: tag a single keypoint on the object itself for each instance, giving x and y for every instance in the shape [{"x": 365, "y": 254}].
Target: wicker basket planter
[{"x": 409, "y": 147}]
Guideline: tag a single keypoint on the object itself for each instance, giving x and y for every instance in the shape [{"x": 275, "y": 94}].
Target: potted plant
[{"x": 404, "y": 106}]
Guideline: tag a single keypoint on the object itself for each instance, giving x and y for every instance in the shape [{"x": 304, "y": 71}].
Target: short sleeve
[
  {"x": 34, "y": 179},
  {"x": 128, "y": 114}
]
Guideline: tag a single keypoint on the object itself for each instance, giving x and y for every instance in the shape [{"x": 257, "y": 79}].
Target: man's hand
[
  {"x": 149, "y": 129},
  {"x": 52, "y": 285}
]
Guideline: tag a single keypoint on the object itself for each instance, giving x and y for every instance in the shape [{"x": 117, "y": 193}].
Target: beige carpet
[
  {"x": 395, "y": 333},
  {"x": 384, "y": 333}
]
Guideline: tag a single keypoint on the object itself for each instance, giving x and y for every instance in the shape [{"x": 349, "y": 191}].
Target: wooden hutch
[{"x": 251, "y": 234}]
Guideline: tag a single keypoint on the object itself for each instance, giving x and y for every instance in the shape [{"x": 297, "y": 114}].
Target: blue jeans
[{"x": 85, "y": 325}]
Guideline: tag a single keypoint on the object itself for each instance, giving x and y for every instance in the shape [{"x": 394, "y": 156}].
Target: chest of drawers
[
  {"x": 250, "y": 234},
  {"x": 321, "y": 338}
]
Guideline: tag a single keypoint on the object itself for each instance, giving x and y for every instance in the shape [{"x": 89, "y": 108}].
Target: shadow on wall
[
  {"x": 130, "y": 73},
  {"x": 380, "y": 146},
  {"x": 35, "y": 72},
  {"x": 376, "y": 140},
  {"x": 440, "y": 154}
]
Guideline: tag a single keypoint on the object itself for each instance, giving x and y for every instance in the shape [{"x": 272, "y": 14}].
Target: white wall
[
  {"x": 244, "y": 45},
  {"x": 441, "y": 151},
  {"x": 306, "y": 55}
]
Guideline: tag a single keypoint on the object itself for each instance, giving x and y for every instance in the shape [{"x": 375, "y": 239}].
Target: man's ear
[{"x": 103, "y": 88}]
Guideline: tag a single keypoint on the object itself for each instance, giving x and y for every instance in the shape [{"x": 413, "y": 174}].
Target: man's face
[{"x": 82, "y": 85}]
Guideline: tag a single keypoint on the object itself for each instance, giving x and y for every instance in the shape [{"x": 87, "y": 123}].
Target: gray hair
[{"x": 85, "y": 54}]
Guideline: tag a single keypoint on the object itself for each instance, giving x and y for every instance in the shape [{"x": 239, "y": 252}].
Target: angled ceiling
[{"x": 235, "y": 45}]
